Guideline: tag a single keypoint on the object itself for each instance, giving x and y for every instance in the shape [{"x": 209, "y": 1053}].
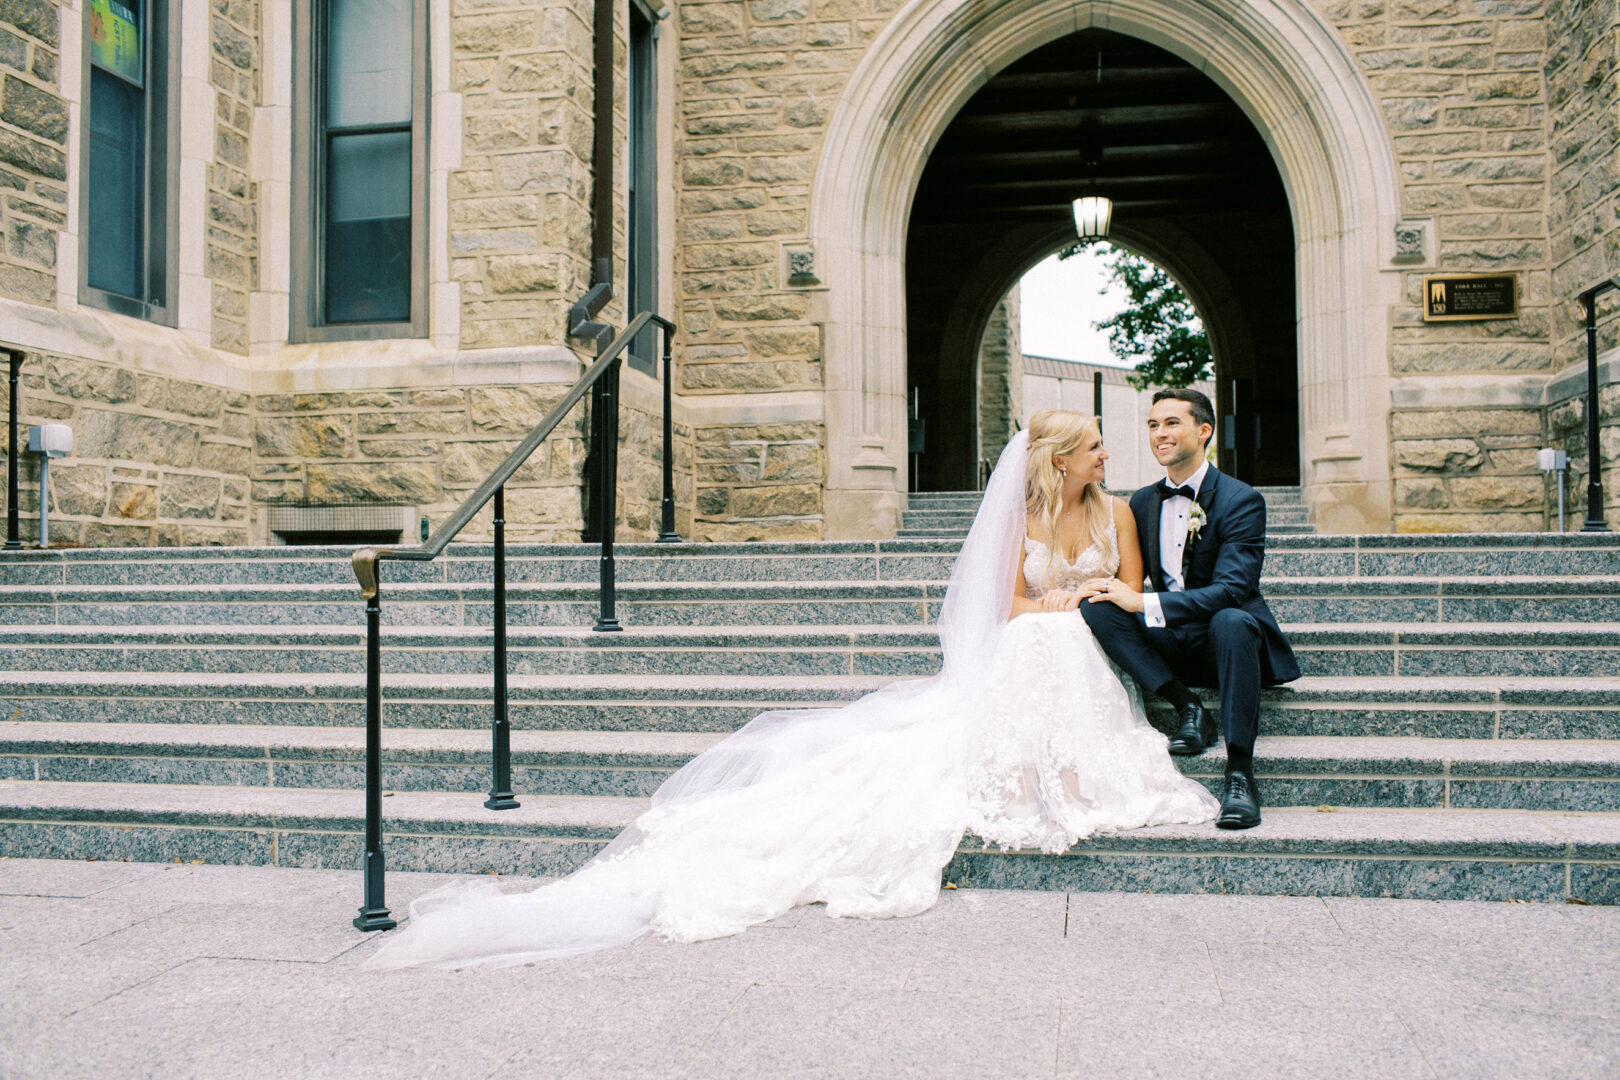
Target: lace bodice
[{"x": 1088, "y": 564}]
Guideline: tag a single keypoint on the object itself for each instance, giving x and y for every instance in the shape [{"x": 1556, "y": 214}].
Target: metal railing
[
  {"x": 1595, "y": 521},
  {"x": 15, "y": 356},
  {"x": 602, "y": 380}
]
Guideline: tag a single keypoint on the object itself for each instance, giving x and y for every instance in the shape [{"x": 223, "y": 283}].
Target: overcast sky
[{"x": 1060, "y": 301}]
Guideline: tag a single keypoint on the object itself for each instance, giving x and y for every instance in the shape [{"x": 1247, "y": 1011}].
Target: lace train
[
  {"x": 1052, "y": 748},
  {"x": 1028, "y": 737}
]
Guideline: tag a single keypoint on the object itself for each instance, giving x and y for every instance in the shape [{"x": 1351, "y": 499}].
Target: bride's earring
[{"x": 1063, "y": 471}]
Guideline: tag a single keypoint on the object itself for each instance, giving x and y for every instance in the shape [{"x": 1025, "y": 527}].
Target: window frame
[
  {"x": 161, "y": 245},
  {"x": 306, "y": 322},
  {"x": 641, "y": 173}
]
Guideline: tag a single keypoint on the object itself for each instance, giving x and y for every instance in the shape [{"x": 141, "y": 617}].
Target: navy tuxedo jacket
[{"x": 1223, "y": 565}]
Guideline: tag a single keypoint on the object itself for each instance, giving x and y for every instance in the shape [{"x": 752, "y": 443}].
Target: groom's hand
[{"x": 1113, "y": 591}]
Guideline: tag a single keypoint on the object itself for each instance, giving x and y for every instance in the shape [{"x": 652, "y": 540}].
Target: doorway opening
[{"x": 1194, "y": 189}]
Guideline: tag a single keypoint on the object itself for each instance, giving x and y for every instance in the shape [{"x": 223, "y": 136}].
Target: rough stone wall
[
  {"x": 1583, "y": 83},
  {"x": 1461, "y": 86},
  {"x": 759, "y": 481},
  {"x": 33, "y": 149},
  {"x": 428, "y": 447},
  {"x": 520, "y": 203},
  {"x": 757, "y": 82},
  {"x": 1001, "y": 379},
  {"x": 1468, "y": 470},
  {"x": 155, "y": 461},
  {"x": 641, "y": 474},
  {"x": 232, "y": 236}
]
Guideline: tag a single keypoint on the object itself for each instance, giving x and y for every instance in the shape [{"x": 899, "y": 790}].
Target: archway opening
[{"x": 1195, "y": 189}]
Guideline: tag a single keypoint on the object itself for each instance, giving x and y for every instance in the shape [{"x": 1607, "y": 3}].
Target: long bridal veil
[{"x": 858, "y": 807}]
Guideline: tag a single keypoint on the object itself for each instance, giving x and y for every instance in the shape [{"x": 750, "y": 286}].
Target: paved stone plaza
[{"x": 144, "y": 969}]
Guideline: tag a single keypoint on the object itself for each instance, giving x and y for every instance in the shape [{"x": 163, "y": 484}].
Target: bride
[{"x": 1027, "y": 737}]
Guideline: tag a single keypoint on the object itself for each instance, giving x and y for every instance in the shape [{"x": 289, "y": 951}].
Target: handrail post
[
  {"x": 1594, "y": 452},
  {"x": 12, "y": 540},
  {"x": 607, "y": 463},
  {"x": 500, "y": 791},
  {"x": 374, "y": 912},
  {"x": 667, "y": 533}
]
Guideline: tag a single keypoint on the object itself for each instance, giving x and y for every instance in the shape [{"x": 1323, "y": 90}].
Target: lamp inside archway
[{"x": 1092, "y": 216}]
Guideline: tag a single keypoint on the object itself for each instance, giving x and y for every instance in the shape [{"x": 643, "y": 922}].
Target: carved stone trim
[{"x": 1411, "y": 242}]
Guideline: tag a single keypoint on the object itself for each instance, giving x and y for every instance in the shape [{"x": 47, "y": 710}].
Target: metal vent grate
[{"x": 339, "y": 523}]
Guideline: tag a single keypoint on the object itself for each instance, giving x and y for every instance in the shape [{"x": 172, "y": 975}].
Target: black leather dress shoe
[
  {"x": 1197, "y": 731},
  {"x": 1240, "y": 802}
]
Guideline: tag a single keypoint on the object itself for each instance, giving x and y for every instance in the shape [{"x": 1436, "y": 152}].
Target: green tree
[{"x": 1158, "y": 328}]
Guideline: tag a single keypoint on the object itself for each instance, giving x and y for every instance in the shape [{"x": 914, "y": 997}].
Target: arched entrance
[
  {"x": 1292, "y": 78},
  {"x": 1194, "y": 189}
]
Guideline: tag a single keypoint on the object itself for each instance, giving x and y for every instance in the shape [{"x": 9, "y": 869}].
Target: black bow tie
[{"x": 1166, "y": 491}]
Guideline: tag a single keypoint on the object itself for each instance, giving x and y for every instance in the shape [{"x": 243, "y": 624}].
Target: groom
[{"x": 1203, "y": 538}]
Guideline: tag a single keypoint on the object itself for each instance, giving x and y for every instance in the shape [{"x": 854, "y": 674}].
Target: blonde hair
[{"x": 1056, "y": 431}]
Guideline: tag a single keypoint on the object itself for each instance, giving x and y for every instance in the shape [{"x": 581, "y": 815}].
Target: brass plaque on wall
[{"x": 1457, "y": 297}]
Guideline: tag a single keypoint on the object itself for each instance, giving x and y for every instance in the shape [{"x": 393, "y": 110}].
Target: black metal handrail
[
  {"x": 13, "y": 542},
  {"x": 602, "y": 380},
  {"x": 1595, "y": 521}
]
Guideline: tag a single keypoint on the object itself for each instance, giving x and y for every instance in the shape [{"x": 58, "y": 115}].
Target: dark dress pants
[{"x": 1223, "y": 653}]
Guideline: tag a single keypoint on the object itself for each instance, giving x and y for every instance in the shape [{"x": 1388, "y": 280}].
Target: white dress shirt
[{"x": 1173, "y": 518}]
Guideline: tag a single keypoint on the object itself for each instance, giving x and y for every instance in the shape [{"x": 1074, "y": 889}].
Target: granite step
[
  {"x": 1293, "y": 771},
  {"x": 949, "y": 518},
  {"x": 950, "y": 515},
  {"x": 1359, "y": 649},
  {"x": 1274, "y": 496},
  {"x": 914, "y": 602},
  {"x": 904, "y": 533},
  {"x": 1508, "y": 554},
  {"x": 1499, "y": 855},
  {"x": 1450, "y": 708},
  {"x": 786, "y": 561},
  {"x": 927, "y": 499},
  {"x": 943, "y": 532},
  {"x": 676, "y": 703}
]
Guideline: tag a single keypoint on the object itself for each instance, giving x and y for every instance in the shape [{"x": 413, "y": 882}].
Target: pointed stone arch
[{"x": 1284, "y": 67}]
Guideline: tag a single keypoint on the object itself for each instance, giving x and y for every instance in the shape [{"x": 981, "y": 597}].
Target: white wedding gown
[{"x": 1028, "y": 738}]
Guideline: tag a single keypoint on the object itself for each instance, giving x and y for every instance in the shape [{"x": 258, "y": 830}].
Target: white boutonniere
[{"x": 1195, "y": 521}]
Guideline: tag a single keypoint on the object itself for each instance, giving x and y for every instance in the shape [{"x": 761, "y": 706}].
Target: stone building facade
[{"x": 1414, "y": 137}]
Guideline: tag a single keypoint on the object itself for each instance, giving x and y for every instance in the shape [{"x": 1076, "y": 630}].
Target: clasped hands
[{"x": 1097, "y": 590}]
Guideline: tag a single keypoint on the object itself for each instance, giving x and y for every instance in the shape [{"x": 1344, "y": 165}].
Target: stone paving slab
[{"x": 137, "y": 970}]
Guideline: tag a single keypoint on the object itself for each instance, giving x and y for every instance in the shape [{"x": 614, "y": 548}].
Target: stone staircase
[
  {"x": 1456, "y": 734},
  {"x": 1286, "y": 514},
  {"x": 947, "y": 514}
]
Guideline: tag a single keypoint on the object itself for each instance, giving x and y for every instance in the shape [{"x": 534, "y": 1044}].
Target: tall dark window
[
  {"x": 126, "y": 187},
  {"x": 642, "y": 171},
  {"x": 359, "y": 262}
]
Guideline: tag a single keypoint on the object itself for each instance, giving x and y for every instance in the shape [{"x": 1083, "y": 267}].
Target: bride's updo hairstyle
[{"x": 1056, "y": 431}]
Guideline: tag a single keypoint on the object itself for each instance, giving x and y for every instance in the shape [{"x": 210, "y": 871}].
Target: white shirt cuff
[{"x": 1151, "y": 609}]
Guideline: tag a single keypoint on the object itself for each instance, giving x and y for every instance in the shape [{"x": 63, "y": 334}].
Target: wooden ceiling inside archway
[{"x": 1160, "y": 138}]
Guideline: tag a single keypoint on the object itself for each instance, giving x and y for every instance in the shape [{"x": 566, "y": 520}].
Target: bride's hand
[{"x": 1060, "y": 600}]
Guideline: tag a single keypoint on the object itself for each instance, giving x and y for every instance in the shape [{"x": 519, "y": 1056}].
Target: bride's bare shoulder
[
  {"x": 1123, "y": 518},
  {"x": 1035, "y": 528}
]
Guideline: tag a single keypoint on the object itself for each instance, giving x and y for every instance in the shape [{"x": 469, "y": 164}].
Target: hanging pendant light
[
  {"x": 1092, "y": 212},
  {"x": 1092, "y": 216}
]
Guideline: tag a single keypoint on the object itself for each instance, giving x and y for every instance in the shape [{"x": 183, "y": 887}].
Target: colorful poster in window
[{"x": 115, "y": 39}]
